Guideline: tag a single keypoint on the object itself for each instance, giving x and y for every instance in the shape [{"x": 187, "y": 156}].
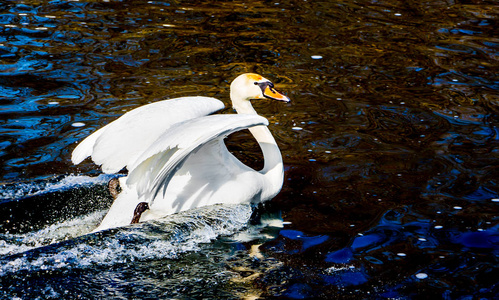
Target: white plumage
[
  {"x": 176, "y": 157},
  {"x": 119, "y": 143}
]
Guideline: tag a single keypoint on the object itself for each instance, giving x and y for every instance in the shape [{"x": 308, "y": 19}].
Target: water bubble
[
  {"x": 421, "y": 275},
  {"x": 297, "y": 128},
  {"x": 439, "y": 227},
  {"x": 78, "y": 124},
  {"x": 495, "y": 200},
  {"x": 458, "y": 207},
  {"x": 401, "y": 254},
  {"x": 316, "y": 57}
]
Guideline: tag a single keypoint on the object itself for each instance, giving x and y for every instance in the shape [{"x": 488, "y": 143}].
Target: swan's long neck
[{"x": 273, "y": 166}]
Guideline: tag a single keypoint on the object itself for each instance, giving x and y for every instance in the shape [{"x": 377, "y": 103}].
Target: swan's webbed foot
[
  {"x": 139, "y": 210},
  {"x": 114, "y": 187}
]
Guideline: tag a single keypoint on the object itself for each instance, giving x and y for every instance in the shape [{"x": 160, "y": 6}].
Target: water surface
[{"x": 390, "y": 147}]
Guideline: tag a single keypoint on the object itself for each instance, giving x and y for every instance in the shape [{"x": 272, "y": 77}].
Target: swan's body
[{"x": 176, "y": 157}]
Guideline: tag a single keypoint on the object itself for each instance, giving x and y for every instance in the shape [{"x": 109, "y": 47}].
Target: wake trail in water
[
  {"x": 18, "y": 190},
  {"x": 165, "y": 238},
  {"x": 11, "y": 244}
]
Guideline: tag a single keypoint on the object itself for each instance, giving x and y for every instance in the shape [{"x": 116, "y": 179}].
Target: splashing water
[
  {"x": 11, "y": 244},
  {"x": 165, "y": 238},
  {"x": 25, "y": 189}
]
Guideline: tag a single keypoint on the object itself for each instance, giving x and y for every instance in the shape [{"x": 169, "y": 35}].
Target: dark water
[{"x": 390, "y": 145}]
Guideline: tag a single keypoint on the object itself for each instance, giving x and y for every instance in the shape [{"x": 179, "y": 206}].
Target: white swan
[{"x": 176, "y": 157}]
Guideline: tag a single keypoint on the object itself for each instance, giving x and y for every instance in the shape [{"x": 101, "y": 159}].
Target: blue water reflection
[
  {"x": 487, "y": 239},
  {"x": 346, "y": 278},
  {"x": 306, "y": 241},
  {"x": 341, "y": 256}
]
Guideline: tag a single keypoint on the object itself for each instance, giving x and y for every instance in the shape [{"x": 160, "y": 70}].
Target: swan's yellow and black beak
[{"x": 268, "y": 91}]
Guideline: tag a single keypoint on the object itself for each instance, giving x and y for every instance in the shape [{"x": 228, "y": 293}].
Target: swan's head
[{"x": 253, "y": 86}]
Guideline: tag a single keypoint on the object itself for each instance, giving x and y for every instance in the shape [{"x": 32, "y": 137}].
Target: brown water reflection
[{"x": 393, "y": 122}]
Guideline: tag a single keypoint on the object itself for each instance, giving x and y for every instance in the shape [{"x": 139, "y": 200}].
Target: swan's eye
[{"x": 256, "y": 83}]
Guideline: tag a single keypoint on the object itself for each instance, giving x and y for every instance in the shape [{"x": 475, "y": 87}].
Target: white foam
[
  {"x": 332, "y": 270},
  {"x": 24, "y": 189},
  {"x": 166, "y": 238},
  {"x": 16, "y": 243},
  {"x": 78, "y": 180}
]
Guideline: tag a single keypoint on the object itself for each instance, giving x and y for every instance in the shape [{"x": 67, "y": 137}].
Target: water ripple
[{"x": 390, "y": 144}]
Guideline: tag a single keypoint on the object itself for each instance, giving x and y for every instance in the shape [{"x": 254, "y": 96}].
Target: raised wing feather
[
  {"x": 157, "y": 165},
  {"x": 121, "y": 142}
]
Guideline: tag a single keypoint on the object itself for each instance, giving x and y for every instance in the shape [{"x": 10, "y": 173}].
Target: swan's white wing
[
  {"x": 119, "y": 143},
  {"x": 156, "y": 166}
]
